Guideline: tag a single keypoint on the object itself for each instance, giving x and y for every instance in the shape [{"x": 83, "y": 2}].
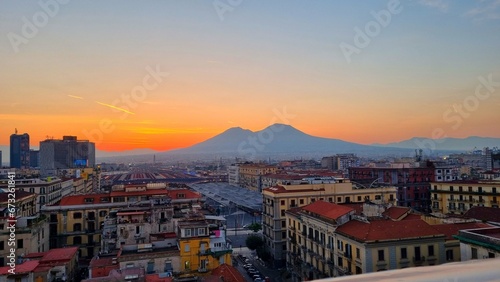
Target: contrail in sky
[{"x": 114, "y": 107}]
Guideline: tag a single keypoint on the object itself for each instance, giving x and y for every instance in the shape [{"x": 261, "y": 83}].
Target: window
[
  {"x": 201, "y": 231},
  {"x": 77, "y": 227},
  {"x": 282, "y": 202},
  {"x": 417, "y": 253},
  {"x": 301, "y": 201},
  {"x": 359, "y": 198},
  {"x": 20, "y": 243},
  {"x": 404, "y": 254},
  {"x": 118, "y": 199},
  {"x": 491, "y": 255},
  {"x": 339, "y": 261},
  {"x": 77, "y": 240},
  {"x": 378, "y": 197},
  {"x": 2, "y": 246},
  {"x": 89, "y": 200},
  {"x": 103, "y": 213},
  {"x": 187, "y": 232},
  {"x": 339, "y": 199},
  {"x": 282, "y": 212},
  {"x": 474, "y": 253},
  {"x": 451, "y": 188},
  {"x": 186, "y": 248},
  {"x": 381, "y": 255},
  {"x": 480, "y": 189},
  {"x": 292, "y": 203},
  {"x": 283, "y": 224},
  {"x": 284, "y": 248},
  {"x": 494, "y": 190},
  {"x": 168, "y": 266},
  {"x": 283, "y": 235},
  {"x": 430, "y": 250},
  {"x": 358, "y": 253},
  {"x": 449, "y": 255}
]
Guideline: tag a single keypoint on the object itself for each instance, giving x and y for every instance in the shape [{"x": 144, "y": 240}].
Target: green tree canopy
[{"x": 253, "y": 242}]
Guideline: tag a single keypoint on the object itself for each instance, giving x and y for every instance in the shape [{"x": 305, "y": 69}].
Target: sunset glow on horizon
[{"x": 170, "y": 74}]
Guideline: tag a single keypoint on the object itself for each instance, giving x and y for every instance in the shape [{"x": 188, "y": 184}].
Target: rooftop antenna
[{"x": 15, "y": 130}]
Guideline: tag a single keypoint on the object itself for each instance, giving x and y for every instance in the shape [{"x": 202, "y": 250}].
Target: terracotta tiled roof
[
  {"x": 229, "y": 273},
  {"x": 102, "y": 261},
  {"x": 4, "y": 197},
  {"x": 34, "y": 255},
  {"x": 358, "y": 207},
  {"x": 396, "y": 213},
  {"x": 80, "y": 199},
  {"x": 452, "y": 229},
  {"x": 484, "y": 213},
  {"x": 25, "y": 267},
  {"x": 387, "y": 230},
  {"x": 328, "y": 210},
  {"x": 60, "y": 254},
  {"x": 187, "y": 194}
]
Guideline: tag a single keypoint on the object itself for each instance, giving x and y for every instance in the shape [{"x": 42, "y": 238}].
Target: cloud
[
  {"x": 485, "y": 10},
  {"x": 441, "y": 5}
]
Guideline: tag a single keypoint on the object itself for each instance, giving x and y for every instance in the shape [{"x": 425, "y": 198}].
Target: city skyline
[{"x": 168, "y": 75}]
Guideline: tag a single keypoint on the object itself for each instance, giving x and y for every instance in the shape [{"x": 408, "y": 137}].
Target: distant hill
[
  {"x": 277, "y": 140},
  {"x": 450, "y": 144}
]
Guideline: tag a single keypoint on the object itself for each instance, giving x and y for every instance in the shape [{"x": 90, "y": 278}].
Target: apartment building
[
  {"x": 412, "y": 181},
  {"x": 128, "y": 214},
  {"x": 457, "y": 197},
  {"x": 53, "y": 265},
  {"x": 279, "y": 198},
  {"x": 310, "y": 238},
  {"x": 250, "y": 175},
  {"x": 481, "y": 243},
  {"x": 48, "y": 190},
  {"x": 202, "y": 247},
  {"x": 31, "y": 228}
]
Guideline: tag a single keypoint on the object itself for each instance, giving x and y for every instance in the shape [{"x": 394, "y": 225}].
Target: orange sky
[{"x": 167, "y": 75}]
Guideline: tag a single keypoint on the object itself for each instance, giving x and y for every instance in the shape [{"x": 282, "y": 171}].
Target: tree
[
  {"x": 253, "y": 242},
  {"x": 255, "y": 227},
  {"x": 263, "y": 253}
]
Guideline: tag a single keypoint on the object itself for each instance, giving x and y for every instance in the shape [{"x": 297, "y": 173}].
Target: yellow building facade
[
  {"x": 278, "y": 199},
  {"x": 459, "y": 196},
  {"x": 201, "y": 249}
]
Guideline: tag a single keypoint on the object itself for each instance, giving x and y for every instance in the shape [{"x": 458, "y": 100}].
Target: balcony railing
[{"x": 418, "y": 259}]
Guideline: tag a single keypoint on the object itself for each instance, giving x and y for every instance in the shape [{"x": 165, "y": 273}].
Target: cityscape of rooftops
[{"x": 233, "y": 140}]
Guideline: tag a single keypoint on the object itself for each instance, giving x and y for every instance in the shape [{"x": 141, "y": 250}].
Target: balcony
[
  {"x": 418, "y": 260},
  {"x": 202, "y": 270},
  {"x": 348, "y": 255}
]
